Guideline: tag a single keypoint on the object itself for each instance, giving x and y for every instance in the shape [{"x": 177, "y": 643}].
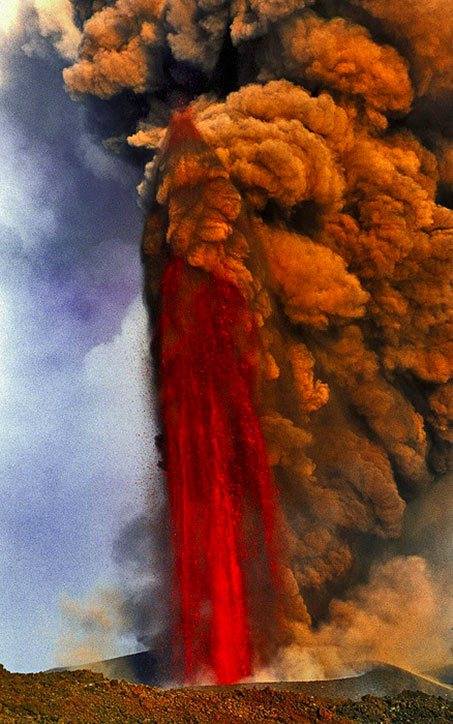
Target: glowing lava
[{"x": 222, "y": 497}]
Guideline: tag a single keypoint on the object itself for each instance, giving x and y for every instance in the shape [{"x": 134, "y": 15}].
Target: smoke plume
[
  {"x": 89, "y": 628},
  {"x": 314, "y": 186}
]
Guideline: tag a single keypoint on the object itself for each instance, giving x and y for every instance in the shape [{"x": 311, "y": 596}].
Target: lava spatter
[{"x": 216, "y": 466}]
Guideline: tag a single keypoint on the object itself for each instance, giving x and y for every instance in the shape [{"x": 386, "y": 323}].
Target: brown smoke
[
  {"x": 341, "y": 57},
  {"x": 116, "y": 49},
  {"x": 308, "y": 188},
  {"x": 424, "y": 33},
  {"x": 390, "y": 619}
]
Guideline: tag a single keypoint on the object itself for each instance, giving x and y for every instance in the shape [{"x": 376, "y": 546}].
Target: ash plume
[{"x": 314, "y": 186}]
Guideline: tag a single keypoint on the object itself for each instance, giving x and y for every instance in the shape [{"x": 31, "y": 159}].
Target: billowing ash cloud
[{"x": 314, "y": 190}]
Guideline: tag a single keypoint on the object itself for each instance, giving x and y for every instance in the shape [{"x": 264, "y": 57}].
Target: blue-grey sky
[{"x": 76, "y": 437}]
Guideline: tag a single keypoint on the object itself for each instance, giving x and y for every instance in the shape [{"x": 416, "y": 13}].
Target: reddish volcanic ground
[{"x": 85, "y": 697}]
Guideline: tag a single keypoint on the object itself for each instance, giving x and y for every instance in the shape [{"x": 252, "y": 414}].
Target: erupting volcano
[{"x": 297, "y": 264}]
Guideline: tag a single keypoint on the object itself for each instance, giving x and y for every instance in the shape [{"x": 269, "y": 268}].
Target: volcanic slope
[
  {"x": 85, "y": 697},
  {"x": 377, "y": 679}
]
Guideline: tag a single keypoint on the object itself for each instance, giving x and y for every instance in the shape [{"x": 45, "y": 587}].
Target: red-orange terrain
[{"x": 85, "y": 697}]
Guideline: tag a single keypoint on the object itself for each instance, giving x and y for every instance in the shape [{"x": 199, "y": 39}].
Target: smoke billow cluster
[{"x": 324, "y": 149}]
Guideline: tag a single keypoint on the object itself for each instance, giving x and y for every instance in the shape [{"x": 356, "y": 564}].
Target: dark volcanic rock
[
  {"x": 409, "y": 707},
  {"x": 141, "y": 668},
  {"x": 444, "y": 674},
  {"x": 380, "y": 680}
]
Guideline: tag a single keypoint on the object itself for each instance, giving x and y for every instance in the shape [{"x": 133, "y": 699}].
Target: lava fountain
[{"x": 222, "y": 497}]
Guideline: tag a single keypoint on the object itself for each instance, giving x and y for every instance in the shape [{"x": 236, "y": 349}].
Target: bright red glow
[{"x": 222, "y": 497}]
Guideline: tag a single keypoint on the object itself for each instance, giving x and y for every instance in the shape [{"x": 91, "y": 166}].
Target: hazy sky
[{"x": 75, "y": 434}]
